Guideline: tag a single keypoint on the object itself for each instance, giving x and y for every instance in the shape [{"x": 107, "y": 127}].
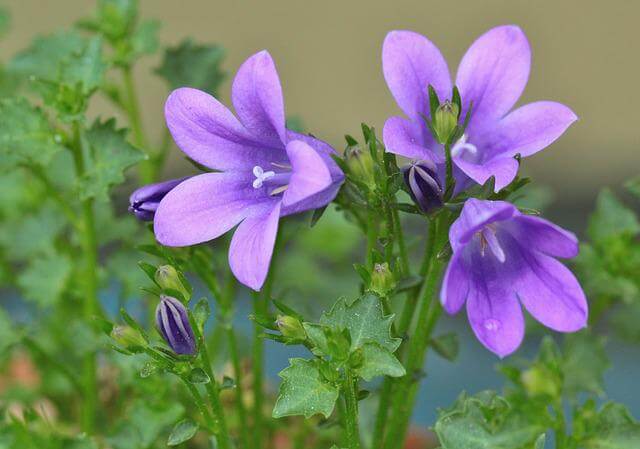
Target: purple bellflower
[
  {"x": 492, "y": 75},
  {"x": 172, "y": 320},
  {"x": 264, "y": 171},
  {"x": 144, "y": 201},
  {"x": 502, "y": 259}
]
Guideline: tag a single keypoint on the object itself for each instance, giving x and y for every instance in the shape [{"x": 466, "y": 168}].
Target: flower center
[
  {"x": 462, "y": 146},
  {"x": 276, "y": 181},
  {"x": 489, "y": 240}
]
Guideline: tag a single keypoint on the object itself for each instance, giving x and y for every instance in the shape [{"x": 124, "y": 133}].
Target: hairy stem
[
  {"x": 260, "y": 308},
  {"x": 199, "y": 401},
  {"x": 352, "y": 433}
]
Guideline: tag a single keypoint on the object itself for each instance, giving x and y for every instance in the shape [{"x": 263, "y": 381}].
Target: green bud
[
  {"x": 540, "y": 382},
  {"x": 360, "y": 164},
  {"x": 128, "y": 337},
  {"x": 168, "y": 278},
  {"x": 382, "y": 279},
  {"x": 356, "y": 359},
  {"x": 445, "y": 120},
  {"x": 291, "y": 327}
]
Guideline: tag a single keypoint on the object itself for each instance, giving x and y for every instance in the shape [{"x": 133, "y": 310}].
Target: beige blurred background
[{"x": 585, "y": 54}]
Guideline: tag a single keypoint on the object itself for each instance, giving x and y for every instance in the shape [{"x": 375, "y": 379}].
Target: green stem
[
  {"x": 90, "y": 306},
  {"x": 402, "y": 247},
  {"x": 147, "y": 167},
  {"x": 561, "y": 426},
  {"x": 197, "y": 398},
  {"x": 63, "y": 369},
  {"x": 372, "y": 236},
  {"x": 404, "y": 395},
  {"x": 55, "y": 194},
  {"x": 260, "y": 308},
  {"x": 351, "y": 410}
]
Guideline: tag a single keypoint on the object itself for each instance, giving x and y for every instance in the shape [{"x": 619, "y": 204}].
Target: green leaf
[
  {"x": 144, "y": 423},
  {"x": 488, "y": 421},
  {"x": 633, "y": 186},
  {"x": 193, "y": 65},
  {"x": 318, "y": 338},
  {"x": 25, "y": 135},
  {"x": 365, "y": 321},
  {"x": 611, "y": 427},
  {"x": 44, "y": 279},
  {"x": 182, "y": 431},
  {"x": 198, "y": 376},
  {"x": 378, "y": 361},
  {"x": 611, "y": 218},
  {"x": 111, "y": 156},
  {"x": 84, "y": 68},
  {"x": 446, "y": 345},
  {"x": 201, "y": 312},
  {"x": 303, "y": 391},
  {"x": 584, "y": 363}
]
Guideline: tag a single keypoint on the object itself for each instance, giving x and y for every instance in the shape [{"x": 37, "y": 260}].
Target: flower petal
[
  {"x": 475, "y": 215},
  {"x": 529, "y": 129},
  {"x": 252, "y": 246},
  {"x": 309, "y": 174},
  {"x": 544, "y": 236},
  {"x": 323, "y": 149},
  {"x": 551, "y": 293},
  {"x": 404, "y": 138},
  {"x": 455, "y": 286},
  {"x": 207, "y": 132},
  {"x": 504, "y": 169},
  {"x": 493, "y": 309},
  {"x": 205, "y": 207},
  {"x": 257, "y": 98},
  {"x": 493, "y": 74},
  {"x": 410, "y": 62}
]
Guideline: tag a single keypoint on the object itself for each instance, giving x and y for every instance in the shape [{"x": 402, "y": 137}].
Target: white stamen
[
  {"x": 462, "y": 145},
  {"x": 261, "y": 176},
  {"x": 488, "y": 239}
]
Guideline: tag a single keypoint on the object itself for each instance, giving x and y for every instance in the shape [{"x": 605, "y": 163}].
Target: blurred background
[{"x": 328, "y": 57}]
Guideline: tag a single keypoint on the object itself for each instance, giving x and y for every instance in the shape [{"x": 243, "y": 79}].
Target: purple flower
[
  {"x": 172, "y": 320},
  {"x": 502, "y": 258},
  {"x": 492, "y": 74},
  {"x": 425, "y": 189},
  {"x": 265, "y": 171},
  {"x": 144, "y": 201}
]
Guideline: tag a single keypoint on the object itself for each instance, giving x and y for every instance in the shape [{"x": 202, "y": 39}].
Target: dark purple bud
[
  {"x": 424, "y": 187},
  {"x": 172, "y": 320},
  {"x": 144, "y": 201}
]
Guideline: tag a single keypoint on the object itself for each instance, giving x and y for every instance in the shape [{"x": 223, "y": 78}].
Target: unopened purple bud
[
  {"x": 144, "y": 201},
  {"x": 172, "y": 320},
  {"x": 422, "y": 180}
]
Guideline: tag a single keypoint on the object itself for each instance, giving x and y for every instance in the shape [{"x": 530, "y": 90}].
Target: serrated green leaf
[
  {"x": 584, "y": 363},
  {"x": 611, "y": 218},
  {"x": 44, "y": 279},
  {"x": 611, "y": 427},
  {"x": 633, "y": 186},
  {"x": 25, "y": 135},
  {"x": 365, "y": 321},
  {"x": 193, "y": 65},
  {"x": 378, "y": 361},
  {"x": 446, "y": 345},
  {"x": 84, "y": 68},
  {"x": 318, "y": 338},
  {"x": 111, "y": 156},
  {"x": 304, "y": 392},
  {"x": 182, "y": 431}
]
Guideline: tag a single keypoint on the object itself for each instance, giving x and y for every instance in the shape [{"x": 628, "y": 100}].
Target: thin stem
[
  {"x": 260, "y": 308},
  {"x": 405, "y": 393},
  {"x": 63, "y": 369},
  {"x": 561, "y": 426},
  {"x": 448, "y": 169},
  {"x": 202, "y": 408},
  {"x": 372, "y": 236},
  {"x": 402, "y": 248},
  {"x": 351, "y": 410},
  {"x": 147, "y": 167}
]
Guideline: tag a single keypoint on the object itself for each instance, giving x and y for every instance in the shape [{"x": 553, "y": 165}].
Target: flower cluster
[{"x": 262, "y": 171}]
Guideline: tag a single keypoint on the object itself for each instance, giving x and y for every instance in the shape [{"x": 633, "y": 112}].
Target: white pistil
[
  {"x": 261, "y": 176},
  {"x": 489, "y": 240},
  {"x": 462, "y": 145}
]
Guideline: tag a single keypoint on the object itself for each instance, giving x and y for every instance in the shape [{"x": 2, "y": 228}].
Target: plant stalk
[{"x": 351, "y": 410}]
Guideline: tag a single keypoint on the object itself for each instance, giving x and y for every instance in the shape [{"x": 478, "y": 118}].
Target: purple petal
[
  {"x": 257, "y": 98},
  {"x": 455, "y": 286},
  {"x": 544, "y": 236},
  {"x": 529, "y": 129},
  {"x": 493, "y": 74},
  {"x": 475, "y": 215},
  {"x": 551, "y": 293},
  {"x": 252, "y": 246},
  {"x": 404, "y": 138},
  {"x": 205, "y": 207},
  {"x": 309, "y": 174},
  {"x": 493, "y": 309},
  {"x": 323, "y": 149},
  {"x": 410, "y": 62},
  {"x": 207, "y": 132},
  {"x": 504, "y": 169}
]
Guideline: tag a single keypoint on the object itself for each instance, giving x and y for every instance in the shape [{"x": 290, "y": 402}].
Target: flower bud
[
  {"x": 291, "y": 327},
  {"x": 541, "y": 382},
  {"x": 144, "y": 201},
  {"x": 172, "y": 320},
  {"x": 128, "y": 337},
  {"x": 445, "y": 121},
  {"x": 168, "y": 279},
  {"x": 360, "y": 164},
  {"x": 382, "y": 279},
  {"x": 425, "y": 189}
]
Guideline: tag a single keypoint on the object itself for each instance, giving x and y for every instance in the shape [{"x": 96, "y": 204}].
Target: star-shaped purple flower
[
  {"x": 501, "y": 259},
  {"x": 492, "y": 74},
  {"x": 265, "y": 171}
]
